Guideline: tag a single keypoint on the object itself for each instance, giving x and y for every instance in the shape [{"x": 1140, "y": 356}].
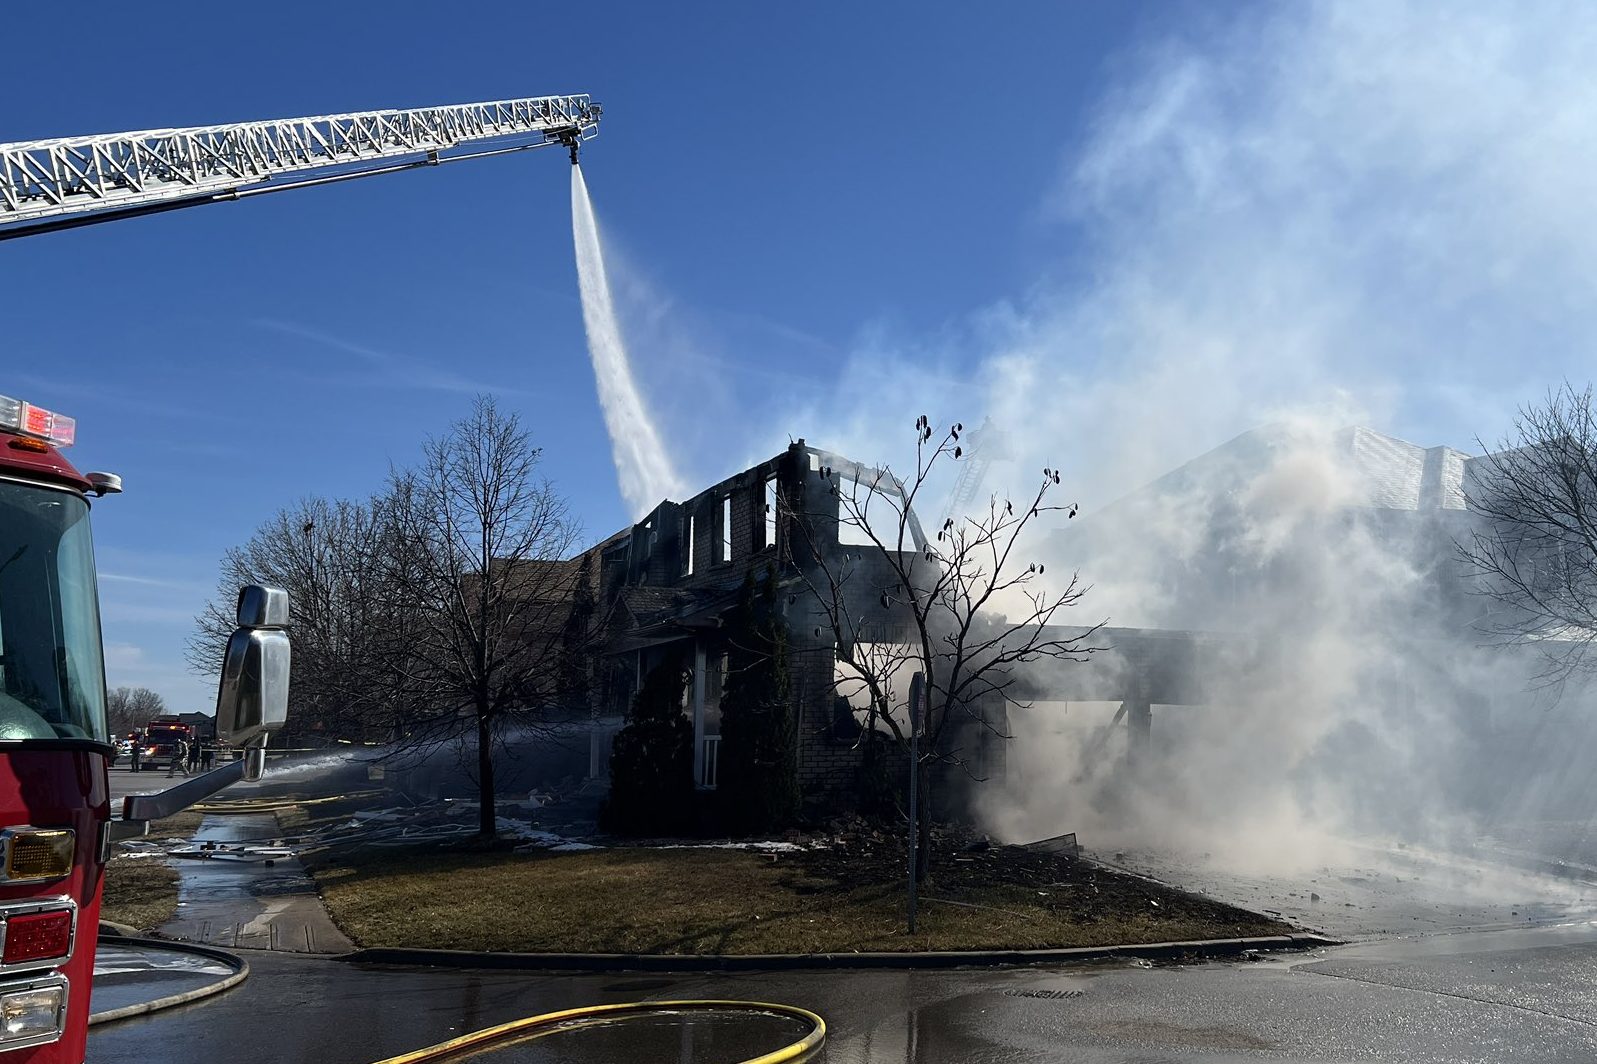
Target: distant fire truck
[{"x": 163, "y": 735}]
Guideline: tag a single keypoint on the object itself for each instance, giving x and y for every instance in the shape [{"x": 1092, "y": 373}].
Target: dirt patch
[
  {"x": 180, "y": 826},
  {"x": 965, "y": 867}
]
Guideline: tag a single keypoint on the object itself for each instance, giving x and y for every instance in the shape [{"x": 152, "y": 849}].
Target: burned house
[
  {"x": 1233, "y": 574},
  {"x": 664, "y": 589}
]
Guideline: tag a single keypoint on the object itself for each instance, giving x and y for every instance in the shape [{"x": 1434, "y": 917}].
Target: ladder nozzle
[{"x": 572, "y": 139}]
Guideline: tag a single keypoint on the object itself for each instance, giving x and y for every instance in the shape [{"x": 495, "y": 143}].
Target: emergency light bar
[{"x": 25, "y": 419}]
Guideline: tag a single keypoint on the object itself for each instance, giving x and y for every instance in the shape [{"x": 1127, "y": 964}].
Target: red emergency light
[
  {"x": 25, "y": 419},
  {"x": 38, "y": 936}
]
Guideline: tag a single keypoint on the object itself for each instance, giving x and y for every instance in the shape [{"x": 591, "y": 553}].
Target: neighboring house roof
[
  {"x": 1399, "y": 475},
  {"x": 659, "y": 615},
  {"x": 1392, "y": 473},
  {"x": 544, "y": 579},
  {"x": 650, "y": 604}
]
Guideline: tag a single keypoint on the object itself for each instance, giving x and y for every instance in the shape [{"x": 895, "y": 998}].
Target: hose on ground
[
  {"x": 551, "y": 1022},
  {"x": 236, "y": 806}
]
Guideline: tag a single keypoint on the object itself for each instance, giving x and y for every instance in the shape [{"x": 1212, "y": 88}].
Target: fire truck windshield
[{"x": 52, "y": 677}]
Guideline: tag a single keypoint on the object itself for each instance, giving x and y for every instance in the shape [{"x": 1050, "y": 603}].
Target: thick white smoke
[
  {"x": 1319, "y": 216},
  {"x": 1372, "y": 211},
  {"x": 642, "y": 465}
]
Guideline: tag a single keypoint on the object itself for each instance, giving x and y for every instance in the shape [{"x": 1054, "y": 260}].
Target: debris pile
[{"x": 858, "y": 851}]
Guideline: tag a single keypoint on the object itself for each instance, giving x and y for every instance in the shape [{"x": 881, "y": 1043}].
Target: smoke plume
[{"x": 1310, "y": 218}]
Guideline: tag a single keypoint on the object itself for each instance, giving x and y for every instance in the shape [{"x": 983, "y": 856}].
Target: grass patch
[
  {"x": 179, "y": 826},
  {"x": 139, "y": 891},
  {"x": 638, "y": 900},
  {"x": 142, "y": 891}
]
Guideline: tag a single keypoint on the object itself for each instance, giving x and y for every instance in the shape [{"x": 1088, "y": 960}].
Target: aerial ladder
[
  {"x": 55, "y": 751},
  {"x": 50, "y": 185},
  {"x": 983, "y": 447}
]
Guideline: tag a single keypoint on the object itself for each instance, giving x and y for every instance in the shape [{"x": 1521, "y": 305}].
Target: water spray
[{"x": 645, "y": 472}]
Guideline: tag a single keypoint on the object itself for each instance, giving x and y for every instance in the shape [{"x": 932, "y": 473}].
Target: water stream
[{"x": 644, "y": 470}]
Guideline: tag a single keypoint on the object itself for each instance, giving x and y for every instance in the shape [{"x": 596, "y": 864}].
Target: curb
[
  {"x": 241, "y": 971},
  {"x": 643, "y": 962}
]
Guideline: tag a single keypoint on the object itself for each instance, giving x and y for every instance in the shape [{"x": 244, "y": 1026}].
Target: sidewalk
[{"x": 241, "y": 902}]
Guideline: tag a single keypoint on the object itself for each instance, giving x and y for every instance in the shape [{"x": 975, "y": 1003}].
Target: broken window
[
  {"x": 714, "y": 685},
  {"x": 770, "y": 512},
  {"x": 867, "y": 513},
  {"x": 687, "y": 547},
  {"x": 726, "y": 528}
]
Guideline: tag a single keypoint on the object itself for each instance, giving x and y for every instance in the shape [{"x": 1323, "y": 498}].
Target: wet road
[
  {"x": 128, "y": 974},
  {"x": 662, "y": 1036},
  {"x": 1379, "y": 891},
  {"x": 1528, "y": 995}
]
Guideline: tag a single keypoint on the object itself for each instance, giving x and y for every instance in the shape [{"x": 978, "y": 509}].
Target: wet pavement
[
  {"x": 128, "y": 974},
  {"x": 148, "y": 780},
  {"x": 716, "y": 1037},
  {"x": 1526, "y": 995},
  {"x": 250, "y": 902},
  {"x": 1419, "y": 989},
  {"x": 1368, "y": 891},
  {"x": 235, "y": 901}
]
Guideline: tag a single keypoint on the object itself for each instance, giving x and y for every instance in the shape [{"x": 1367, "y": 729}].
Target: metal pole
[
  {"x": 917, "y": 695},
  {"x": 255, "y": 760}
]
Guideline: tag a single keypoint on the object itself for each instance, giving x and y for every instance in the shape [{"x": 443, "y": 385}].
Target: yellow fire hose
[
  {"x": 272, "y": 805},
  {"x": 550, "y": 1022}
]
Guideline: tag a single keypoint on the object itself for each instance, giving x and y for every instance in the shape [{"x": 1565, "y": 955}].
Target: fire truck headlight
[
  {"x": 38, "y": 855},
  {"x": 32, "y": 1015}
]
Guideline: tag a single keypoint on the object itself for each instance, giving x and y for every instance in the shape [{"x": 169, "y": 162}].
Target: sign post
[{"x": 917, "y": 714}]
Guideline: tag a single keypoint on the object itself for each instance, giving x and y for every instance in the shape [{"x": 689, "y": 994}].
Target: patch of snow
[{"x": 762, "y": 847}]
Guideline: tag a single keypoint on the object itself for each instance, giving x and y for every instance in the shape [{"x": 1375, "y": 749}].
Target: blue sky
[{"x": 803, "y": 206}]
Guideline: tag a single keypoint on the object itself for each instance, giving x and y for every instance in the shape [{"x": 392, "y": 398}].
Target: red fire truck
[
  {"x": 163, "y": 734},
  {"x": 56, "y": 825}
]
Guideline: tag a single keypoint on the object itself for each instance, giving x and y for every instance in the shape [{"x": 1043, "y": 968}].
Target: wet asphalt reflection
[
  {"x": 685, "y": 1037},
  {"x": 1526, "y": 995},
  {"x": 126, "y": 974}
]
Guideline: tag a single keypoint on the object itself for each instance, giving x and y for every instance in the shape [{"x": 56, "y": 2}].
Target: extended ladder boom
[{"x": 44, "y": 183}]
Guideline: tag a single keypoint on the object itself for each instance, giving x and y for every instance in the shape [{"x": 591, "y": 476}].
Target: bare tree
[
  {"x": 906, "y": 603},
  {"x": 341, "y": 563},
  {"x": 486, "y": 546},
  {"x": 1536, "y": 547},
  {"x": 130, "y": 709}
]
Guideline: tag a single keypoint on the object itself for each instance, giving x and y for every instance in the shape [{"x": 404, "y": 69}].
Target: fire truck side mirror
[
  {"x": 252, "y": 699},
  {"x": 262, "y": 607}
]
